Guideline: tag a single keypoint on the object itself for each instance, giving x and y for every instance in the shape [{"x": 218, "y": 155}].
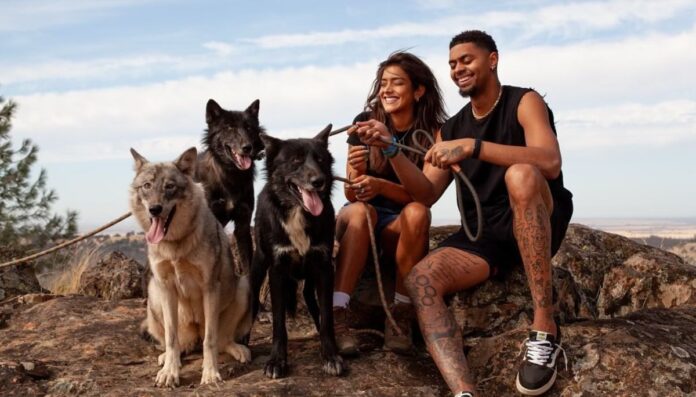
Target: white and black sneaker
[
  {"x": 537, "y": 373},
  {"x": 464, "y": 394}
]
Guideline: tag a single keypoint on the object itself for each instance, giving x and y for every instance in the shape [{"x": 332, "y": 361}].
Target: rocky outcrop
[
  {"x": 628, "y": 314},
  {"x": 114, "y": 276},
  {"x": 596, "y": 275},
  {"x": 18, "y": 280}
]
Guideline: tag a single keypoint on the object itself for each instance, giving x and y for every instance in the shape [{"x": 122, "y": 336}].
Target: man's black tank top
[{"x": 501, "y": 126}]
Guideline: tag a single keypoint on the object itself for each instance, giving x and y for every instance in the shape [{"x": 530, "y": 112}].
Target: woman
[{"x": 405, "y": 96}]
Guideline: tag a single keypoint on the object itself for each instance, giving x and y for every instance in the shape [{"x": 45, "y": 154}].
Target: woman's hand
[
  {"x": 373, "y": 133},
  {"x": 366, "y": 187},
  {"x": 357, "y": 158},
  {"x": 444, "y": 154}
]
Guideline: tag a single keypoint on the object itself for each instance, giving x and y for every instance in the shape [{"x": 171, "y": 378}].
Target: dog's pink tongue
[
  {"x": 243, "y": 161},
  {"x": 312, "y": 202},
  {"x": 156, "y": 232}
]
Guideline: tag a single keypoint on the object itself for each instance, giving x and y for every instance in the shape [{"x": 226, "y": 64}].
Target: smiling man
[{"x": 504, "y": 140}]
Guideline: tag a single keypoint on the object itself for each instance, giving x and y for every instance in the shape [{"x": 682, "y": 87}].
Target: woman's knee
[
  {"x": 354, "y": 214},
  {"x": 415, "y": 219}
]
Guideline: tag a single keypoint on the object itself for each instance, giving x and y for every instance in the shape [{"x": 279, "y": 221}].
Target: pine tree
[{"x": 26, "y": 221}]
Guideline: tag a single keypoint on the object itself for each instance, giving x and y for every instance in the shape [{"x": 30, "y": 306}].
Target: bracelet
[
  {"x": 477, "y": 149},
  {"x": 392, "y": 150}
]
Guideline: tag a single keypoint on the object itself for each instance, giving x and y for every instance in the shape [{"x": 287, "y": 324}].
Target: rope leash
[
  {"x": 456, "y": 169},
  {"x": 67, "y": 243}
]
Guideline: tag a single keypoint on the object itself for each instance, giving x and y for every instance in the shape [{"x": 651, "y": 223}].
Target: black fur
[
  {"x": 291, "y": 163},
  {"x": 228, "y": 188}
]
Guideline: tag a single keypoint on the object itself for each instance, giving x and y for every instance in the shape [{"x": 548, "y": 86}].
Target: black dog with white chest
[
  {"x": 294, "y": 228},
  {"x": 226, "y": 168}
]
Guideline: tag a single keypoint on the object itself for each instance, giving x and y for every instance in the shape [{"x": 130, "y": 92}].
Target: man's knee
[
  {"x": 523, "y": 182},
  {"x": 415, "y": 218}
]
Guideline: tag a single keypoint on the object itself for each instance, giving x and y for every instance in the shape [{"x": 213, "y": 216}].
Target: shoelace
[{"x": 539, "y": 352}]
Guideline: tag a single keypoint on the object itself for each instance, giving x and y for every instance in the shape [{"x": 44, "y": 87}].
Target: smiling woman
[{"x": 404, "y": 97}]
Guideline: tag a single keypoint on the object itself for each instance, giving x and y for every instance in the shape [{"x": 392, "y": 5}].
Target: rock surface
[
  {"x": 114, "y": 276},
  {"x": 18, "y": 280},
  {"x": 629, "y": 328}
]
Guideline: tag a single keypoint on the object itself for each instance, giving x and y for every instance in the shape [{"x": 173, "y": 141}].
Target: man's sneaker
[
  {"x": 404, "y": 315},
  {"x": 464, "y": 394},
  {"x": 537, "y": 373},
  {"x": 345, "y": 341}
]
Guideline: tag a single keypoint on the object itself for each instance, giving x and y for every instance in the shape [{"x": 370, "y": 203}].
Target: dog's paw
[
  {"x": 168, "y": 376},
  {"x": 240, "y": 353},
  {"x": 334, "y": 366},
  {"x": 275, "y": 368},
  {"x": 210, "y": 376}
]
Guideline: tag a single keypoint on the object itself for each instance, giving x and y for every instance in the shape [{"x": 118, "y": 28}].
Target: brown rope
[
  {"x": 67, "y": 243},
  {"x": 375, "y": 257}
]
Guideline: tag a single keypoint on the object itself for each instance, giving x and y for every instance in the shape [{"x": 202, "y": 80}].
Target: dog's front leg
[
  {"x": 168, "y": 376},
  {"x": 211, "y": 313},
  {"x": 323, "y": 273},
  {"x": 242, "y": 233},
  {"x": 277, "y": 364}
]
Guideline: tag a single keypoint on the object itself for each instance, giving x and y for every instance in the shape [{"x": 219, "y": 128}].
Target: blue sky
[{"x": 93, "y": 79}]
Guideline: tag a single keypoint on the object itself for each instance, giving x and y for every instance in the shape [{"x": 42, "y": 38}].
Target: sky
[{"x": 93, "y": 79}]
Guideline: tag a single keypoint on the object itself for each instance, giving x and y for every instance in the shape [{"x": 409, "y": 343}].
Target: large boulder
[
  {"x": 114, "y": 276},
  {"x": 18, "y": 280},
  {"x": 596, "y": 275}
]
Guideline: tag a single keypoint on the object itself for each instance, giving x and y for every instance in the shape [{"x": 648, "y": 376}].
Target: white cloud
[
  {"x": 220, "y": 48},
  {"x": 565, "y": 19}
]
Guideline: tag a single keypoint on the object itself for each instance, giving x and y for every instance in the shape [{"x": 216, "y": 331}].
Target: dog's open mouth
[
  {"x": 242, "y": 161},
  {"x": 309, "y": 198},
  {"x": 158, "y": 227}
]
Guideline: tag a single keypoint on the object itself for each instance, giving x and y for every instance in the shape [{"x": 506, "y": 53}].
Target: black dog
[
  {"x": 226, "y": 168},
  {"x": 294, "y": 228}
]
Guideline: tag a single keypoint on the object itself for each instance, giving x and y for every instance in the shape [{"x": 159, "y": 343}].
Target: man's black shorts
[{"x": 497, "y": 244}]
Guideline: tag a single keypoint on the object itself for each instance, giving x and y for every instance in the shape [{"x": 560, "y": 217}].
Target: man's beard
[{"x": 468, "y": 93}]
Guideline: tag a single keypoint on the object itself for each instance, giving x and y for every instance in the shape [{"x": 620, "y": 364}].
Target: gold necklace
[{"x": 477, "y": 117}]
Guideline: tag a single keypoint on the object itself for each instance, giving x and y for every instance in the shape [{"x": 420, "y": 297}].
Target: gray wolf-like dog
[
  {"x": 194, "y": 293},
  {"x": 294, "y": 230},
  {"x": 226, "y": 169}
]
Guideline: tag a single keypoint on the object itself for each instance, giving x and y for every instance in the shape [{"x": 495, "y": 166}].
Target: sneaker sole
[{"x": 535, "y": 392}]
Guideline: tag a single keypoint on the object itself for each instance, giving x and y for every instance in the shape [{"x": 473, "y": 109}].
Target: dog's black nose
[
  {"x": 246, "y": 149},
  {"x": 317, "y": 182},
  {"x": 155, "y": 210}
]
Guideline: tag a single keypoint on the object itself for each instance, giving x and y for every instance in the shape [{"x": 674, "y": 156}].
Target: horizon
[{"x": 93, "y": 79}]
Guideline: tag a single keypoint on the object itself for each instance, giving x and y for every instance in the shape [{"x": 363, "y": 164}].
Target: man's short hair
[{"x": 478, "y": 37}]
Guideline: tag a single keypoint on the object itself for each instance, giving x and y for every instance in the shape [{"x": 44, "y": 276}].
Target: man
[{"x": 505, "y": 142}]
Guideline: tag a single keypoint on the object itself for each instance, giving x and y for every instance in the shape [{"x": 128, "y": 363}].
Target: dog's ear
[
  {"x": 253, "y": 109},
  {"x": 186, "y": 163},
  {"x": 323, "y": 136},
  {"x": 139, "y": 160},
  {"x": 270, "y": 144},
  {"x": 212, "y": 111}
]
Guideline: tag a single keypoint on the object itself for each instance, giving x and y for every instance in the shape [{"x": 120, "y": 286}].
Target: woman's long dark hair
[{"x": 429, "y": 112}]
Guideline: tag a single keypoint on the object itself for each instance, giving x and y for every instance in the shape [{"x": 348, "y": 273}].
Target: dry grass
[{"x": 67, "y": 280}]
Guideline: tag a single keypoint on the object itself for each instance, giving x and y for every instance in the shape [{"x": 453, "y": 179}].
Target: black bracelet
[{"x": 477, "y": 149}]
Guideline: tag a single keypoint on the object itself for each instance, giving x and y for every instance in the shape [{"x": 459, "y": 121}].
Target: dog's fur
[
  {"x": 294, "y": 237},
  {"x": 226, "y": 169},
  {"x": 194, "y": 293}
]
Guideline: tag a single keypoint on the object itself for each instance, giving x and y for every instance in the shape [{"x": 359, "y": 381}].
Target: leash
[
  {"x": 67, "y": 243},
  {"x": 378, "y": 272},
  {"x": 456, "y": 169}
]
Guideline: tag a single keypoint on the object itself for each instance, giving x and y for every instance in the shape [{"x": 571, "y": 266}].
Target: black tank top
[{"x": 501, "y": 126}]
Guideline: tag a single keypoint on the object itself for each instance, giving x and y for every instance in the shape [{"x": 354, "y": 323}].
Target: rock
[
  {"x": 595, "y": 275},
  {"x": 647, "y": 353},
  {"x": 114, "y": 276},
  {"x": 17, "y": 280}
]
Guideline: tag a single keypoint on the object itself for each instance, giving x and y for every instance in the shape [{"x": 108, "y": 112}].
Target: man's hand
[
  {"x": 373, "y": 133},
  {"x": 357, "y": 158},
  {"x": 444, "y": 154},
  {"x": 367, "y": 187}
]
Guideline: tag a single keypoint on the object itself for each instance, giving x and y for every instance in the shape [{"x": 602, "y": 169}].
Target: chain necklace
[{"x": 477, "y": 117}]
